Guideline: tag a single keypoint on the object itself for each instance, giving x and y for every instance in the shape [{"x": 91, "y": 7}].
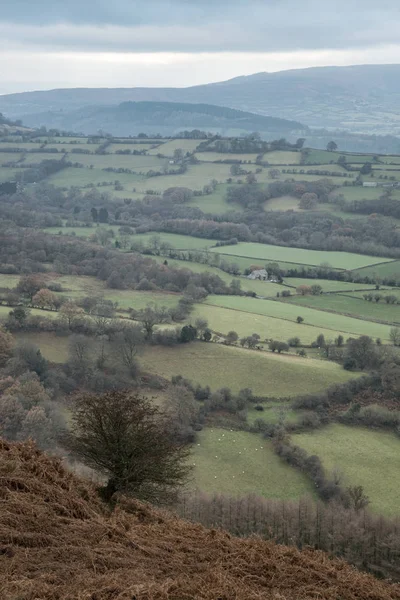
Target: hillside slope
[
  {"x": 58, "y": 541},
  {"x": 167, "y": 118},
  {"x": 361, "y": 98}
]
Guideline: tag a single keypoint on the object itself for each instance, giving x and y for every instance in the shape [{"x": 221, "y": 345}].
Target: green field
[
  {"x": 282, "y": 157},
  {"x": 224, "y": 320},
  {"x": 265, "y": 373},
  {"x": 266, "y": 252},
  {"x": 140, "y": 163},
  {"x": 131, "y": 146},
  {"x": 215, "y": 203},
  {"x": 7, "y": 173},
  {"x": 169, "y": 148},
  {"x": 389, "y": 269},
  {"x": 79, "y": 231},
  {"x": 358, "y": 192},
  {"x": 289, "y": 312},
  {"x": 83, "y": 177},
  {"x": 180, "y": 242},
  {"x": 237, "y": 463},
  {"x": 324, "y": 156},
  {"x": 48, "y": 314},
  {"x": 389, "y": 313},
  {"x": 9, "y": 281},
  {"x": 274, "y": 412},
  {"x": 329, "y": 285},
  {"x": 225, "y": 156},
  {"x": 194, "y": 178},
  {"x": 364, "y": 457},
  {"x": 282, "y": 203},
  {"x": 7, "y": 157}
]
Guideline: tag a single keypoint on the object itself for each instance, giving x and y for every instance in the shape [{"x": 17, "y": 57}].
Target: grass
[
  {"x": 389, "y": 269},
  {"x": 266, "y": 252},
  {"x": 364, "y": 457},
  {"x": 48, "y": 314},
  {"x": 9, "y": 281},
  {"x": 169, "y": 148},
  {"x": 195, "y": 177},
  {"x": 79, "y": 231},
  {"x": 274, "y": 412},
  {"x": 245, "y": 323},
  {"x": 287, "y": 311},
  {"x": 237, "y": 463},
  {"x": 226, "y": 156},
  {"x": 282, "y": 203},
  {"x": 82, "y": 177},
  {"x": 141, "y": 163},
  {"x": 52, "y": 347},
  {"x": 23, "y": 145},
  {"x": 215, "y": 203},
  {"x": 329, "y": 285},
  {"x": 284, "y": 157},
  {"x": 7, "y": 173},
  {"x": 359, "y": 193},
  {"x": 7, "y": 157},
  {"x": 321, "y": 157},
  {"x": 180, "y": 242},
  {"x": 127, "y": 146},
  {"x": 390, "y": 313},
  {"x": 265, "y": 373}
]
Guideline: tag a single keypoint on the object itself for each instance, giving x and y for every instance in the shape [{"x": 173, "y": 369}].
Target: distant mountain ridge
[
  {"x": 361, "y": 98},
  {"x": 167, "y": 118}
]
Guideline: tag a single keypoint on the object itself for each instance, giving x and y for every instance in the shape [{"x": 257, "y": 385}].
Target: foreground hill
[
  {"x": 361, "y": 98},
  {"x": 167, "y": 118},
  {"x": 57, "y": 540}
]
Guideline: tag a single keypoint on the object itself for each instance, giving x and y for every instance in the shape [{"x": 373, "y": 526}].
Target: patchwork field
[
  {"x": 289, "y": 312},
  {"x": 388, "y": 269},
  {"x": 237, "y": 463},
  {"x": 390, "y": 313},
  {"x": 265, "y": 373},
  {"x": 282, "y": 158},
  {"x": 329, "y": 285},
  {"x": 338, "y": 260},
  {"x": 363, "y": 457},
  {"x": 224, "y": 320}
]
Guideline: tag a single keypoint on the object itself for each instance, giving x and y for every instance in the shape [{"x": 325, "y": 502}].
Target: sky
[{"x": 48, "y": 44}]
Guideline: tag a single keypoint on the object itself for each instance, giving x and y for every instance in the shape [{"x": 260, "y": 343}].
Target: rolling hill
[
  {"x": 167, "y": 118},
  {"x": 363, "y": 98},
  {"x": 58, "y": 540}
]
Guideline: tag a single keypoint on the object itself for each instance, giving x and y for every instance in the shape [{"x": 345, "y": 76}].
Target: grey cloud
[{"x": 198, "y": 25}]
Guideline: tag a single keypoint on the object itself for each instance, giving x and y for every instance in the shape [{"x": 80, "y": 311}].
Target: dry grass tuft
[{"x": 58, "y": 541}]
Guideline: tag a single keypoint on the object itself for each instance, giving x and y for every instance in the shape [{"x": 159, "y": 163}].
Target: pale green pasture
[
  {"x": 237, "y": 463},
  {"x": 169, "y": 148},
  {"x": 289, "y": 311},
  {"x": 266, "y": 252},
  {"x": 223, "y": 320},
  {"x": 363, "y": 457}
]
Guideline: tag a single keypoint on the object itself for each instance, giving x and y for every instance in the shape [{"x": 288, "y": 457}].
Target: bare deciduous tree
[{"x": 131, "y": 443}]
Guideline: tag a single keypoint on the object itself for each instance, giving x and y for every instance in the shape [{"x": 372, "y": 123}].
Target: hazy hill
[
  {"x": 362, "y": 98},
  {"x": 167, "y": 118},
  {"x": 57, "y": 540}
]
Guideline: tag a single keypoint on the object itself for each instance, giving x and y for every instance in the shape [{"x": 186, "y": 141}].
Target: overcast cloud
[{"x": 170, "y": 42}]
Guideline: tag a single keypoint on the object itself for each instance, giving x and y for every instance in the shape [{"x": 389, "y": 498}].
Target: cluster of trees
[
  {"x": 368, "y": 541},
  {"x": 26, "y": 252}
]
